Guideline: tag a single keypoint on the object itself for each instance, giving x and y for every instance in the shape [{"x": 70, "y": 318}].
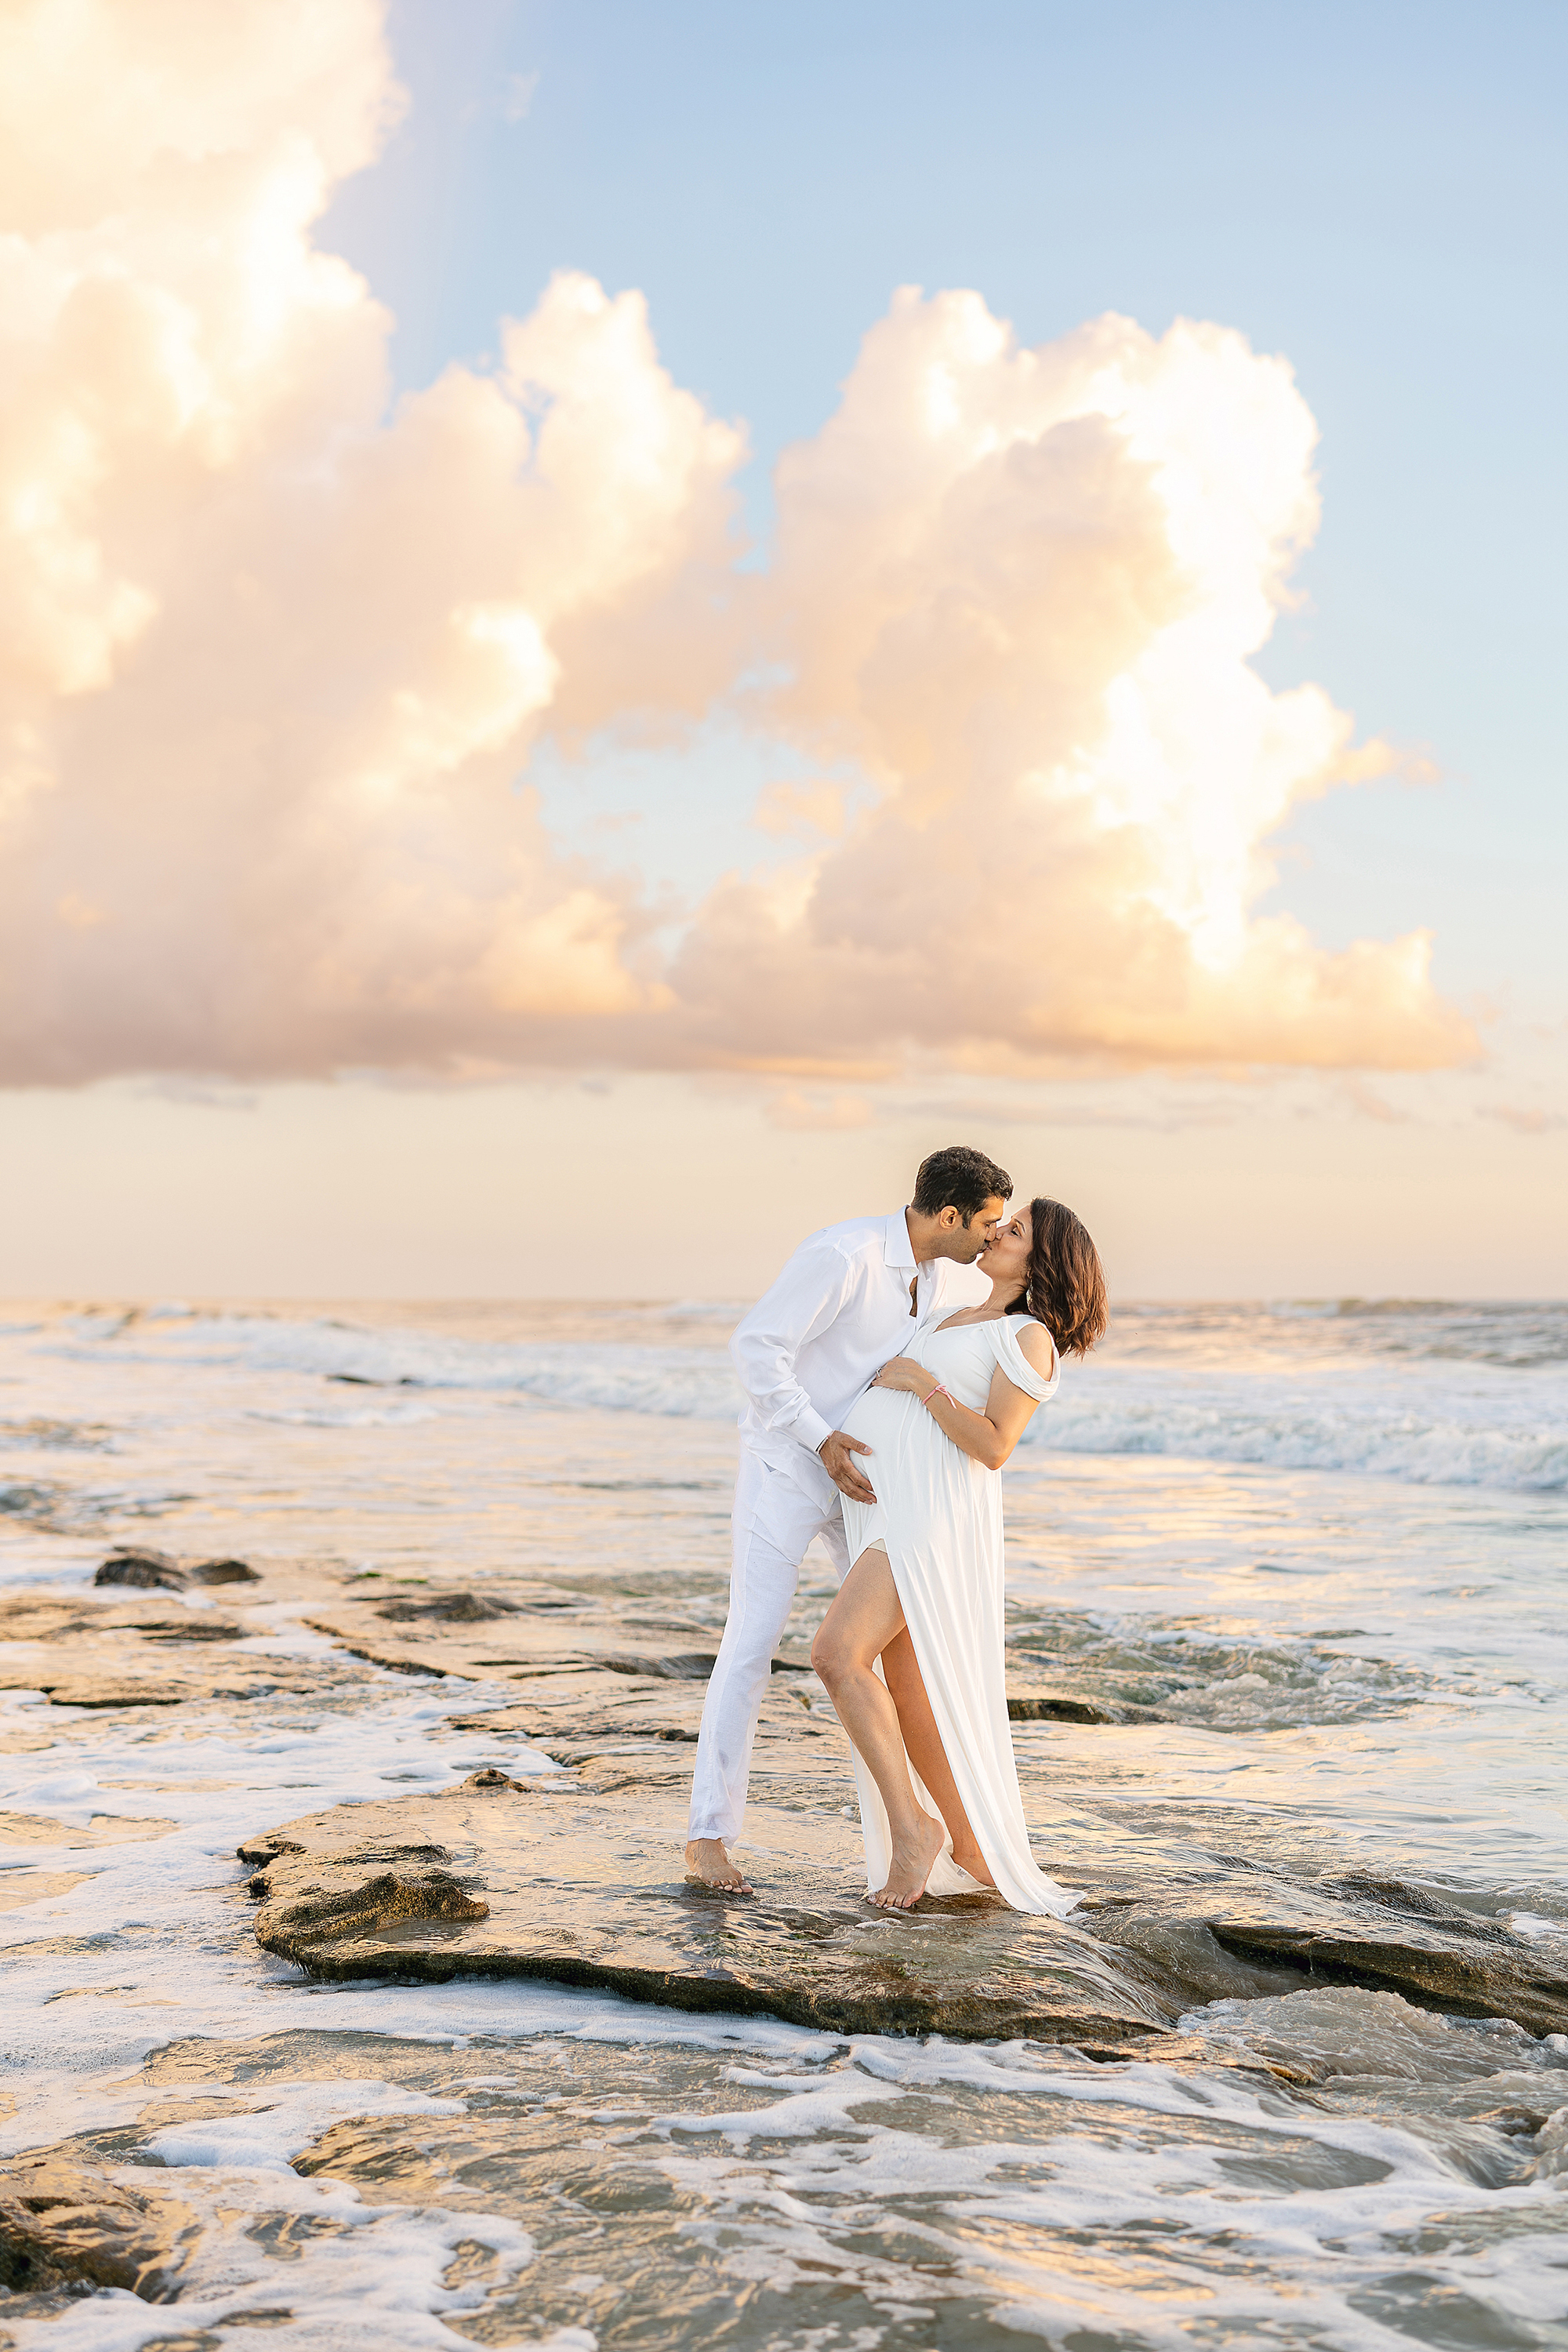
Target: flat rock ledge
[
  {"x": 576, "y": 1878},
  {"x": 549, "y": 1878}
]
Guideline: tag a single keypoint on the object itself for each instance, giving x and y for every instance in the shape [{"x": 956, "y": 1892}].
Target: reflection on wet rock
[{"x": 62, "y": 2225}]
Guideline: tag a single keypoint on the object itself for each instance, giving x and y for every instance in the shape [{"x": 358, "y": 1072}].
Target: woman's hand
[{"x": 903, "y": 1373}]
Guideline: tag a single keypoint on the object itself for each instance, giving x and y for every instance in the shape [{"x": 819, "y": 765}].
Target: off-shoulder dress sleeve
[{"x": 1004, "y": 1337}]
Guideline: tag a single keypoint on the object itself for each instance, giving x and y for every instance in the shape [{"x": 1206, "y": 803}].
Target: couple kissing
[{"x": 889, "y": 1374}]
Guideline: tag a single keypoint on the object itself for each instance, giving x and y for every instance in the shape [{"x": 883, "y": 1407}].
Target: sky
[{"x": 620, "y": 621}]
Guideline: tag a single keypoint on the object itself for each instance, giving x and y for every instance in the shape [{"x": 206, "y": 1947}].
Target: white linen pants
[{"x": 772, "y": 1523}]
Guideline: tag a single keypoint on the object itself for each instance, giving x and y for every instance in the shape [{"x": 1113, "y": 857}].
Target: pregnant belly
[{"x": 879, "y": 1417}]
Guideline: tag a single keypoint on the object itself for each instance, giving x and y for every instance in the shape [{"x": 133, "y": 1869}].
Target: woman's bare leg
[
  {"x": 923, "y": 1743},
  {"x": 864, "y": 1618}
]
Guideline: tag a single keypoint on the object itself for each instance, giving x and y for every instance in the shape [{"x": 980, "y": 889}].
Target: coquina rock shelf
[
  {"x": 576, "y": 1878},
  {"x": 575, "y": 1875}
]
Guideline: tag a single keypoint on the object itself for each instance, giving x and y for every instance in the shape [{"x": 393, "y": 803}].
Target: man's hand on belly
[{"x": 837, "y": 1458}]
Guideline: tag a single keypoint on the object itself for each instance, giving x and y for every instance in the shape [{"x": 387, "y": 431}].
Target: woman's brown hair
[{"x": 1065, "y": 1285}]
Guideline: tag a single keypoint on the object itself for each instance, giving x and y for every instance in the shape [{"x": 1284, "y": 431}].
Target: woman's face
[{"x": 1005, "y": 1257}]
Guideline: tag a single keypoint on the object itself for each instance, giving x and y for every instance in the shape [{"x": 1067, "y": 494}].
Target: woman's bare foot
[
  {"x": 912, "y": 1866},
  {"x": 974, "y": 1863},
  {"x": 707, "y": 1861}
]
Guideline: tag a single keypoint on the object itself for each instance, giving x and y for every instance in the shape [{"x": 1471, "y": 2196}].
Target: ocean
[{"x": 1325, "y": 1544}]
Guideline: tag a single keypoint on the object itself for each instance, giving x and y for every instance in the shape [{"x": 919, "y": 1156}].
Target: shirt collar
[{"x": 898, "y": 1249}]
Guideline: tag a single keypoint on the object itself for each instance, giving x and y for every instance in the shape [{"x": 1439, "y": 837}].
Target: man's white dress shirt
[{"x": 836, "y": 1313}]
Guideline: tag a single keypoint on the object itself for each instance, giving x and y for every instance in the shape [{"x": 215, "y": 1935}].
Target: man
[{"x": 841, "y": 1307}]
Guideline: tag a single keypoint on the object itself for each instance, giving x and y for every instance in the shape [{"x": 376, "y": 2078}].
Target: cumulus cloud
[
  {"x": 272, "y": 656},
  {"x": 1020, "y": 589},
  {"x": 274, "y": 651}
]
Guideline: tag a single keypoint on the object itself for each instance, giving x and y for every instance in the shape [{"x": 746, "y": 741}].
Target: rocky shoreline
[{"x": 573, "y": 1875}]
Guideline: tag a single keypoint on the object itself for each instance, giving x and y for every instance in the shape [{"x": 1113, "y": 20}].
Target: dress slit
[{"x": 937, "y": 1520}]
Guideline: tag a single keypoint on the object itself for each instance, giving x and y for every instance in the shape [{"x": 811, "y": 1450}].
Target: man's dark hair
[{"x": 960, "y": 1179}]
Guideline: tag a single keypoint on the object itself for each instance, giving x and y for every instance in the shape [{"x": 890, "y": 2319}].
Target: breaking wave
[{"x": 1428, "y": 1393}]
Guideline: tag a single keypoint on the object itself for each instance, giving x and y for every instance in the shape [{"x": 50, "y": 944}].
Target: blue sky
[{"x": 1375, "y": 191}]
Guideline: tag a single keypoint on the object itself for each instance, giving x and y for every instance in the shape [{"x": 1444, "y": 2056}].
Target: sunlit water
[{"x": 1331, "y": 1544}]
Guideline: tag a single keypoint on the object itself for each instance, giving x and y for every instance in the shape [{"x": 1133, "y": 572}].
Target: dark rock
[
  {"x": 133, "y": 1565},
  {"x": 1038, "y": 1707},
  {"x": 112, "y": 1690},
  {"x": 62, "y": 2224},
  {"x": 198, "y": 1628},
  {"x": 1042, "y": 1706},
  {"x": 446, "y": 1609},
  {"x": 225, "y": 1571},
  {"x": 684, "y": 1667},
  {"x": 267, "y": 1848}
]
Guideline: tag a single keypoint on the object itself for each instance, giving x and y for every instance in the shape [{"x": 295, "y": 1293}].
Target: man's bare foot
[
  {"x": 707, "y": 1860},
  {"x": 912, "y": 1866}
]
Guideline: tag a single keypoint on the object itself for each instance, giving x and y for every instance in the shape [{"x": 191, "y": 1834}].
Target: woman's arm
[{"x": 987, "y": 1437}]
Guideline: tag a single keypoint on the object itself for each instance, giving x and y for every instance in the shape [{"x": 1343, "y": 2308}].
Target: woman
[{"x": 910, "y": 1650}]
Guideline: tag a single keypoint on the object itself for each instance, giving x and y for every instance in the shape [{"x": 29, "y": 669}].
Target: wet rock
[
  {"x": 267, "y": 1848},
  {"x": 379, "y": 1890},
  {"x": 71, "y": 1679},
  {"x": 114, "y": 1690},
  {"x": 531, "y": 1641},
  {"x": 195, "y": 1628},
  {"x": 578, "y": 1875},
  {"x": 225, "y": 1571},
  {"x": 576, "y": 1714},
  {"x": 1055, "y": 1707},
  {"x": 1552, "y": 2147},
  {"x": 134, "y": 1565},
  {"x": 446, "y": 1609},
  {"x": 103, "y": 1829},
  {"x": 62, "y": 2224},
  {"x": 43, "y": 1617},
  {"x": 1461, "y": 1971},
  {"x": 580, "y": 1888},
  {"x": 109, "y": 1649},
  {"x": 682, "y": 1666},
  {"x": 1245, "y": 1931}
]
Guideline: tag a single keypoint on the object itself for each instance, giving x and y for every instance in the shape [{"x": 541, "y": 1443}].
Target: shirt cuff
[{"x": 811, "y": 1429}]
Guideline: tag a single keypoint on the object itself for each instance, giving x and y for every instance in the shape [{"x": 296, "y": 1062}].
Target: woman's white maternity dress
[{"x": 938, "y": 1515}]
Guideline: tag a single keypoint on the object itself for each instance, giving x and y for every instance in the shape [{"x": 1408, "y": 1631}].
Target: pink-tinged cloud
[{"x": 272, "y": 652}]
